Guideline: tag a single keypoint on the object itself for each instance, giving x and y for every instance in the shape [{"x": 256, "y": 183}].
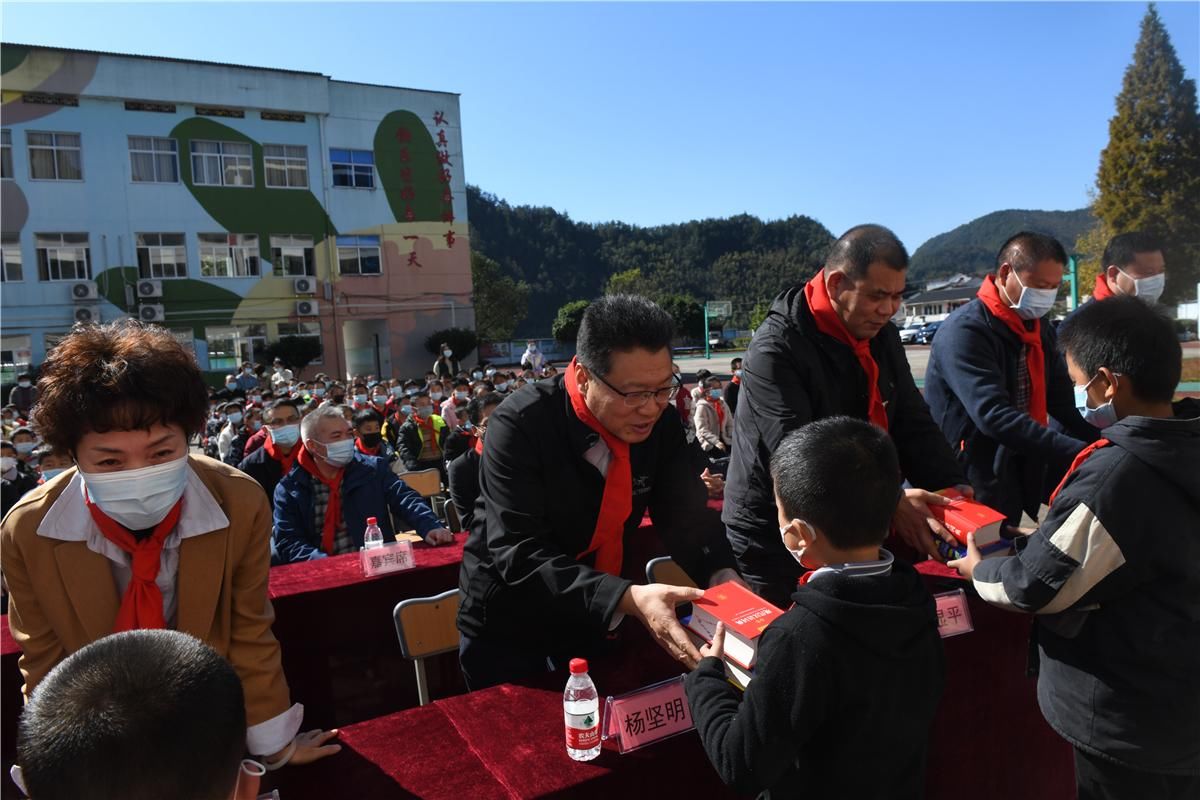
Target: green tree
[
  {"x": 1149, "y": 175},
  {"x": 1090, "y": 247},
  {"x": 297, "y": 352},
  {"x": 501, "y": 303},
  {"x": 630, "y": 281},
  {"x": 758, "y": 314},
  {"x": 566, "y": 323},
  {"x": 461, "y": 340},
  {"x": 687, "y": 313}
]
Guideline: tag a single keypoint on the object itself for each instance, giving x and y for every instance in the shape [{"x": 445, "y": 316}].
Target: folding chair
[
  {"x": 425, "y": 627},
  {"x": 664, "y": 570},
  {"x": 425, "y": 482}
]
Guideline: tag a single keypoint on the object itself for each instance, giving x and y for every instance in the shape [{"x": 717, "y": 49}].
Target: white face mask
[
  {"x": 1033, "y": 303},
  {"x": 1149, "y": 289},
  {"x": 138, "y": 498},
  {"x": 235, "y": 417},
  {"x": 799, "y": 553},
  {"x": 339, "y": 453},
  {"x": 284, "y": 435},
  {"x": 435, "y": 395},
  {"x": 8, "y": 464},
  {"x": 502, "y": 387},
  {"x": 447, "y": 353}
]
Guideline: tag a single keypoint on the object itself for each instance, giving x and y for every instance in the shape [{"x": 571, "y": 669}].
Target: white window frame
[
  {"x": 354, "y": 168},
  {"x": 355, "y": 248},
  {"x": 235, "y": 256},
  {"x": 44, "y": 248},
  {"x": 222, "y": 162},
  {"x": 292, "y": 159},
  {"x": 160, "y": 146},
  {"x": 6, "y": 155},
  {"x": 289, "y": 246},
  {"x": 56, "y": 149},
  {"x": 10, "y": 247},
  {"x": 313, "y": 331},
  {"x": 159, "y": 259}
]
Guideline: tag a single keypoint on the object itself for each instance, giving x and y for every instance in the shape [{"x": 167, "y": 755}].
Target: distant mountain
[{"x": 971, "y": 248}]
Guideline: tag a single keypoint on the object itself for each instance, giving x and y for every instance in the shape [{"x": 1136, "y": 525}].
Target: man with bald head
[
  {"x": 995, "y": 381},
  {"x": 828, "y": 348}
]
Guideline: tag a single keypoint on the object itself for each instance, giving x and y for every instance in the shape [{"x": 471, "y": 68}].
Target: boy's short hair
[
  {"x": 1130, "y": 337},
  {"x": 24, "y": 430},
  {"x": 139, "y": 715},
  {"x": 480, "y": 404},
  {"x": 621, "y": 323},
  {"x": 367, "y": 415},
  {"x": 842, "y": 475}
]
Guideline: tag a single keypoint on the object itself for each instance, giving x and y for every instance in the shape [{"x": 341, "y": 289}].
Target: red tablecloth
[
  {"x": 334, "y": 625},
  {"x": 987, "y": 735}
]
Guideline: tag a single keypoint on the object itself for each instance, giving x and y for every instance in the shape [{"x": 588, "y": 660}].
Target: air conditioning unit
[
  {"x": 147, "y": 289},
  {"x": 304, "y": 286},
  {"x": 307, "y": 308},
  {"x": 84, "y": 290},
  {"x": 87, "y": 314},
  {"x": 152, "y": 312}
]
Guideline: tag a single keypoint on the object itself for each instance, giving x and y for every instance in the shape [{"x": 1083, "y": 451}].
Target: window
[
  {"x": 153, "y": 160},
  {"x": 228, "y": 255},
  {"x": 310, "y": 329},
  {"x": 228, "y": 347},
  {"x": 63, "y": 256},
  {"x": 161, "y": 255},
  {"x": 10, "y": 246},
  {"x": 358, "y": 255},
  {"x": 293, "y": 255},
  {"x": 54, "y": 156},
  {"x": 286, "y": 165},
  {"x": 158, "y": 108},
  {"x": 222, "y": 164},
  {"x": 6, "y": 159},
  {"x": 353, "y": 168}
]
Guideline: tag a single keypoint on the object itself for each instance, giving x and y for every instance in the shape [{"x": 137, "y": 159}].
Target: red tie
[
  {"x": 617, "y": 503},
  {"x": 142, "y": 605}
]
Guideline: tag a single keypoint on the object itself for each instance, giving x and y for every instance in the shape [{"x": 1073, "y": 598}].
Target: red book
[
  {"x": 745, "y": 614},
  {"x": 965, "y": 516}
]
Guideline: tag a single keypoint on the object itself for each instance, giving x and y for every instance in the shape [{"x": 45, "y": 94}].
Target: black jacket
[
  {"x": 463, "y": 477},
  {"x": 522, "y": 579},
  {"x": 1114, "y": 576},
  {"x": 971, "y": 385},
  {"x": 732, "y": 390},
  {"x": 264, "y": 469},
  {"x": 843, "y": 695},
  {"x": 25, "y": 481},
  {"x": 794, "y": 374},
  {"x": 408, "y": 442}
]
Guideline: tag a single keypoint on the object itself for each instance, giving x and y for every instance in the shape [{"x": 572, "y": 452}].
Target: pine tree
[{"x": 1149, "y": 176}]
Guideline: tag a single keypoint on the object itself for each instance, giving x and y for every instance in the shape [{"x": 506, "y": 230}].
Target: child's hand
[
  {"x": 966, "y": 564},
  {"x": 717, "y": 648}
]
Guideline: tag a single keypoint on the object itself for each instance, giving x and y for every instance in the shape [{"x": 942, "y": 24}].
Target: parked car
[
  {"x": 927, "y": 332},
  {"x": 908, "y": 334}
]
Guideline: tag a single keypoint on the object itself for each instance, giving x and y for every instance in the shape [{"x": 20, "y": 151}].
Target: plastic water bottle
[
  {"x": 373, "y": 537},
  {"x": 581, "y": 707}
]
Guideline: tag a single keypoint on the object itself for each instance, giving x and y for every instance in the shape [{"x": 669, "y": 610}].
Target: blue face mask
[
  {"x": 339, "y": 453},
  {"x": 715, "y": 394},
  {"x": 406, "y": 409},
  {"x": 284, "y": 435},
  {"x": 49, "y": 474},
  {"x": 1033, "y": 303},
  {"x": 1101, "y": 416}
]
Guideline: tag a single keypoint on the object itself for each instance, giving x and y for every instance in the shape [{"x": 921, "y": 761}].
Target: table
[
  {"x": 334, "y": 625},
  {"x": 507, "y": 741}
]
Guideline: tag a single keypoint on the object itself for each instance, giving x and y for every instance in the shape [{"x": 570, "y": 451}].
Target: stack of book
[
  {"x": 963, "y": 516},
  {"x": 746, "y": 616}
]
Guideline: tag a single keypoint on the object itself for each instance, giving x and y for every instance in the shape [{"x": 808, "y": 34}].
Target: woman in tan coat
[{"x": 140, "y": 534}]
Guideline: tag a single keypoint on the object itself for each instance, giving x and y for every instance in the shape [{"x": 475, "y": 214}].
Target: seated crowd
[{"x": 828, "y": 457}]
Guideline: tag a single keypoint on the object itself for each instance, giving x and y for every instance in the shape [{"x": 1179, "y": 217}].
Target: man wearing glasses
[
  {"x": 827, "y": 348},
  {"x": 569, "y": 467}
]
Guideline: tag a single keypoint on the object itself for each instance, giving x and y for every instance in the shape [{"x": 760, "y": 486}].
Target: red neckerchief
[
  {"x": 805, "y": 578},
  {"x": 366, "y": 451},
  {"x": 427, "y": 424},
  {"x": 142, "y": 605},
  {"x": 736, "y": 379},
  {"x": 716, "y": 401},
  {"x": 830, "y": 324},
  {"x": 1035, "y": 360},
  {"x": 285, "y": 461},
  {"x": 681, "y": 403},
  {"x": 332, "y": 511},
  {"x": 1079, "y": 459},
  {"x": 617, "y": 502},
  {"x": 1101, "y": 291},
  {"x": 478, "y": 443}
]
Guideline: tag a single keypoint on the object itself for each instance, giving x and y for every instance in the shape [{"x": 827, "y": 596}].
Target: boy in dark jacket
[
  {"x": 848, "y": 679},
  {"x": 1114, "y": 570}
]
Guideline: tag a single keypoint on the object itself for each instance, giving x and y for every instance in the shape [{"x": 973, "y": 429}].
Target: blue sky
[{"x": 918, "y": 116}]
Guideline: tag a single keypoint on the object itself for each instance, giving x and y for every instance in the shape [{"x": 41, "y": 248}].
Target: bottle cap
[
  {"x": 372, "y": 521},
  {"x": 578, "y": 666}
]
